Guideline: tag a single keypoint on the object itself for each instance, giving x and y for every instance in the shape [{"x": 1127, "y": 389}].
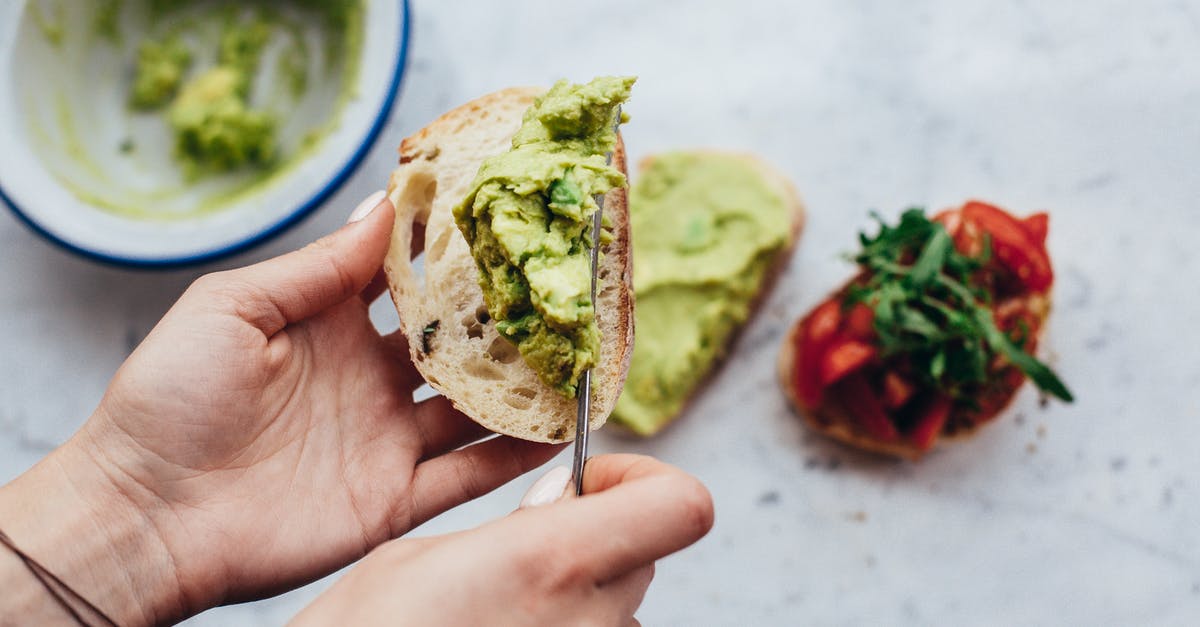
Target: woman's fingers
[
  {"x": 460, "y": 476},
  {"x": 548, "y": 488},
  {"x": 375, "y": 288},
  {"x": 443, "y": 428},
  {"x": 379, "y": 284},
  {"x": 607, "y": 471},
  {"x": 301, "y": 284},
  {"x": 405, "y": 375},
  {"x": 645, "y": 510},
  {"x": 628, "y": 590},
  {"x": 588, "y": 559}
]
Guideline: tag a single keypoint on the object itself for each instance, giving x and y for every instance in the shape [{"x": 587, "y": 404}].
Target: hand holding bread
[{"x": 529, "y": 567}]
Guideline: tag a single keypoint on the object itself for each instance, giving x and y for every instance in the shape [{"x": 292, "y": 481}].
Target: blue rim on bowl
[{"x": 302, "y": 211}]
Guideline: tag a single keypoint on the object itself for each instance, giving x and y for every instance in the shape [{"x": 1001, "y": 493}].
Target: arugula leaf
[
  {"x": 932, "y": 309},
  {"x": 932, "y": 259},
  {"x": 937, "y": 365},
  {"x": 1040, "y": 373}
]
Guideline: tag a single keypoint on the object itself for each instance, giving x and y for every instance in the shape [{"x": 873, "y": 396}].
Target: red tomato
[
  {"x": 844, "y": 357},
  {"x": 965, "y": 241},
  {"x": 896, "y": 391},
  {"x": 860, "y": 322},
  {"x": 815, "y": 333},
  {"x": 950, "y": 219},
  {"x": 866, "y": 411},
  {"x": 1012, "y": 244},
  {"x": 824, "y": 321},
  {"x": 1014, "y": 318},
  {"x": 929, "y": 424},
  {"x": 993, "y": 400},
  {"x": 1038, "y": 226}
]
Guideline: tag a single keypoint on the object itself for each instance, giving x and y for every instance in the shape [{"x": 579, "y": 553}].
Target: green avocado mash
[
  {"x": 159, "y": 69},
  {"x": 107, "y": 21},
  {"x": 528, "y": 218},
  {"x": 216, "y": 128},
  {"x": 705, "y": 227},
  {"x": 52, "y": 26},
  {"x": 232, "y": 94}
]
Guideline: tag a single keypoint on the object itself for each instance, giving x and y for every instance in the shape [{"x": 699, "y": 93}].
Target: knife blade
[{"x": 583, "y": 411}]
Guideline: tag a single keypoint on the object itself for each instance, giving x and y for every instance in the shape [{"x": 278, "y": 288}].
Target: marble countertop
[{"x": 1080, "y": 514}]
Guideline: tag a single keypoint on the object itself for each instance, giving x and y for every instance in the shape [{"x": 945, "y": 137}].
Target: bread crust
[{"x": 451, "y": 339}]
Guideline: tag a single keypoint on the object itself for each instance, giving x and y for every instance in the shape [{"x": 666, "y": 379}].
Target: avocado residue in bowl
[
  {"x": 159, "y": 70},
  {"x": 214, "y": 125},
  {"x": 218, "y": 97},
  {"x": 705, "y": 227},
  {"x": 528, "y": 219}
]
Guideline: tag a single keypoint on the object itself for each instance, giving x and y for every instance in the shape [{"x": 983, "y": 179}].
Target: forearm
[{"x": 67, "y": 516}]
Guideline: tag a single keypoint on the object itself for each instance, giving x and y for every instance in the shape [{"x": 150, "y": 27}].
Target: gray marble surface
[{"x": 1080, "y": 514}]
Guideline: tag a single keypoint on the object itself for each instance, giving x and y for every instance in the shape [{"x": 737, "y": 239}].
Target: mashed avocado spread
[
  {"x": 158, "y": 71},
  {"x": 528, "y": 218},
  {"x": 215, "y": 126},
  {"x": 704, "y": 227},
  {"x": 223, "y": 97}
]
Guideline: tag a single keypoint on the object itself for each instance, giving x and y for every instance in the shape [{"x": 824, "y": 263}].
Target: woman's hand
[
  {"x": 262, "y": 436},
  {"x": 578, "y": 561}
]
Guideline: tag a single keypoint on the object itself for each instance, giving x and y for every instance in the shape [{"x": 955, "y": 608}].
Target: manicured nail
[
  {"x": 548, "y": 489},
  {"x": 365, "y": 207}
]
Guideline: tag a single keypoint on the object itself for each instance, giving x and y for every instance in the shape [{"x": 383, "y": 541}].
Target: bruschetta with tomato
[{"x": 932, "y": 338}]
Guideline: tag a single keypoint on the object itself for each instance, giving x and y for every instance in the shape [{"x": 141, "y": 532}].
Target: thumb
[{"x": 301, "y": 284}]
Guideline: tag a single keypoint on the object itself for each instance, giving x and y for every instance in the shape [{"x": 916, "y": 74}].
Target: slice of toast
[
  {"x": 834, "y": 421},
  {"x": 453, "y": 342},
  {"x": 782, "y": 186}
]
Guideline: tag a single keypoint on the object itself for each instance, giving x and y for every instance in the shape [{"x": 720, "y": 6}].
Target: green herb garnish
[{"x": 929, "y": 308}]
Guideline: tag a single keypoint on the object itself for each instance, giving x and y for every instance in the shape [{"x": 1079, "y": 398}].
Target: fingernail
[
  {"x": 548, "y": 489},
  {"x": 365, "y": 207}
]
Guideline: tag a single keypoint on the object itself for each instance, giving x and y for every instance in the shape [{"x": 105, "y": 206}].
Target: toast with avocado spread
[
  {"x": 497, "y": 195},
  {"x": 711, "y": 231}
]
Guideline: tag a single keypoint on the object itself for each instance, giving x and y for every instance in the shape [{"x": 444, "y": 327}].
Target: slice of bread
[
  {"x": 782, "y": 186},
  {"x": 453, "y": 342},
  {"x": 833, "y": 420}
]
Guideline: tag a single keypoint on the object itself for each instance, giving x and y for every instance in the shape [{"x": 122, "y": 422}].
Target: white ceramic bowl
[{"x": 39, "y": 80}]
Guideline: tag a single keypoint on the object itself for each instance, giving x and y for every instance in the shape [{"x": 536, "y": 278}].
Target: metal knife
[{"x": 583, "y": 412}]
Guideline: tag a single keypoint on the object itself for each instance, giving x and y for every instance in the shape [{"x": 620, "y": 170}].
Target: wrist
[{"x": 73, "y": 519}]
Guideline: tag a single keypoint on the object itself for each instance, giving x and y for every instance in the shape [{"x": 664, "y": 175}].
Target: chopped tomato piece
[
  {"x": 809, "y": 390},
  {"x": 951, "y": 219},
  {"x": 860, "y": 322},
  {"x": 991, "y": 402},
  {"x": 929, "y": 424},
  {"x": 866, "y": 411},
  {"x": 1038, "y": 226},
  {"x": 843, "y": 358},
  {"x": 1012, "y": 244},
  {"x": 814, "y": 335},
  {"x": 896, "y": 390},
  {"x": 1020, "y": 324},
  {"x": 824, "y": 321}
]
